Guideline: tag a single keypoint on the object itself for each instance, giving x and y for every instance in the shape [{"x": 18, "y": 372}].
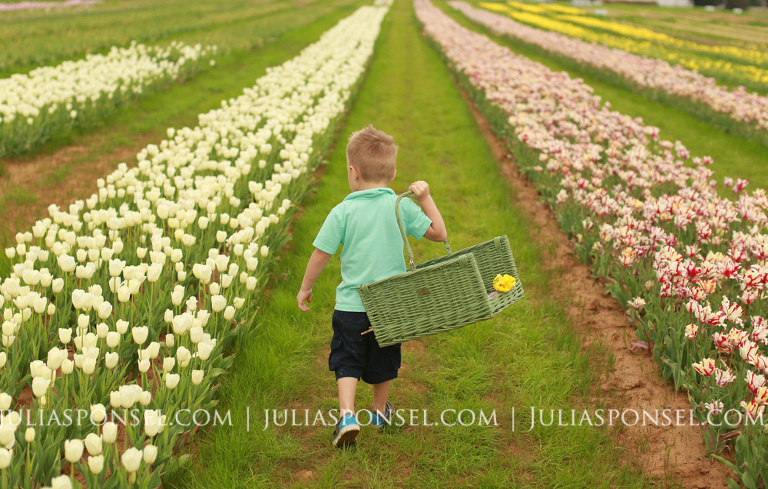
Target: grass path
[
  {"x": 526, "y": 357},
  {"x": 734, "y": 156}
]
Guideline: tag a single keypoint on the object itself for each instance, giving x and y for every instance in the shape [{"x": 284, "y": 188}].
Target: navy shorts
[{"x": 360, "y": 356}]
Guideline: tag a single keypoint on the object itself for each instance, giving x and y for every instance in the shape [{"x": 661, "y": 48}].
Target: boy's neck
[{"x": 370, "y": 185}]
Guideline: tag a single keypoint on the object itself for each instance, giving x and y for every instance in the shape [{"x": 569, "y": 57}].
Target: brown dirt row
[
  {"x": 634, "y": 380},
  {"x": 30, "y": 185}
]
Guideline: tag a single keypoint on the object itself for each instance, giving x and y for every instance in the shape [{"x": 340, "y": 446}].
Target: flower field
[
  {"x": 168, "y": 293},
  {"x": 689, "y": 264},
  {"x": 729, "y": 64},
  {"x": 50, "y": 99},
  {"x": 131, "y": 300},
  {"x": 640, "y": 70}
]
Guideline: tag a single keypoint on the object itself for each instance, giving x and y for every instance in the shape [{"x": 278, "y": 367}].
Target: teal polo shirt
[{"x": 365, "y": 223}]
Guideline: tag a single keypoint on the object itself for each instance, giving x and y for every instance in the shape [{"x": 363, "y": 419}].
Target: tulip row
[
  {"x": 690, "y": 265},
  {"x": 51, "y": 99},
  {"x": 736, "y": 54},
  {"x": 729, "y": 64},
  {"x": 122, "y": 310},
  {"x": 749, "y": 110}
]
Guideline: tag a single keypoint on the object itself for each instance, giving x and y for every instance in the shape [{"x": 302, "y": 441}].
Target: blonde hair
[{"x": 373, "y": 153}]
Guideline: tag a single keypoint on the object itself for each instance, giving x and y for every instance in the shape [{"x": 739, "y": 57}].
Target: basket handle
[{"x": 402, "y": 230}]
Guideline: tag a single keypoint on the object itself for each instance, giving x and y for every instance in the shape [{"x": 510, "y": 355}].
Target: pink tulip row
[
  {"x": 38, "y": 5},
  {"x": 695, "y": 261},
  {"x": 651, "y": 73}
]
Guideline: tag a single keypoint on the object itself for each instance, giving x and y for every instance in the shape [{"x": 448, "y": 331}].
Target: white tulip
[
  {"x": 168, "y": 364},
  {"x": 150, "y": 454},
  {"x": 109, "y": 432},
  {"x": 98, "y": 413},
  {"x": 204, "y": 350},
  {"x": 40, "y": 386},
  {"x": 93, "y": 444},
  {"x": 67, "y": 366},
  {"x": 5, "y": 401},
  {"x": 113, "y": 339},
  {"x": 6, "y": 456},
  {"x": 105, "y": 310},
  {"x": 131, "y": 460},
  {"x": 29, "y": 435},
  {"x": 197, "y": 376},
  {"x": 96, "y": 464},
  {"x": 140, "y": 334},
  {"x": 172, "y": 380},
  {"x": 61, "y": 482},
  {"x": 144, "y": 366},
  {"x": 73, "y": 450},
  {"x": 102, "y": 330},
  {"x": 111, "y": 359},
  {"x": 89, "y": 365},
  {"x": 177, "y": 296},
  {"x": 218, "y": 302},
  {"x": 121, "y": 326}
]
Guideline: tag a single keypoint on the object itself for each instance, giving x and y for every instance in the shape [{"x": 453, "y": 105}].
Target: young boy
[{"x": 365, "y": 223}]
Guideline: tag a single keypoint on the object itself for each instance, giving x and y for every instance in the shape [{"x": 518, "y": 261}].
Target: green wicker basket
[{"x": 442, "y": 294}]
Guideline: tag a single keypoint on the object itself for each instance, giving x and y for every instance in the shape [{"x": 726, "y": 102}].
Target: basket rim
[{"x": 468, "y": 257}]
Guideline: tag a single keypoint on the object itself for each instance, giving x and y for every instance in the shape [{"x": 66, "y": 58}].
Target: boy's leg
[
  {"x": 380, "y": 395},
  {"x": 347, "y": 391}
]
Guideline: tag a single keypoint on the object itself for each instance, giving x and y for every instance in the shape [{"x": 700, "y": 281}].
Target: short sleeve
[
  {"x": 415, "y": 221},
  {"x": 331, "y": 234}
]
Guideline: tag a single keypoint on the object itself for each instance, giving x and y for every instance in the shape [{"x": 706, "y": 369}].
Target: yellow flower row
[
  {"x": 718, "y": 68},
  {"x": 553, "y": 7},
  {"x": 746, "y": 55},
  {"x": 546, "y": 8}
]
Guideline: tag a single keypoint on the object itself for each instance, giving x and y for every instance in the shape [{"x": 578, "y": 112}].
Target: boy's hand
[
  {"x": 304, "y": 296},
  {"x": 420, "y": 189}
]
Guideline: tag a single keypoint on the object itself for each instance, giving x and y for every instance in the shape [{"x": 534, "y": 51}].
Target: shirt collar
[{"x": 371, "y": 192}]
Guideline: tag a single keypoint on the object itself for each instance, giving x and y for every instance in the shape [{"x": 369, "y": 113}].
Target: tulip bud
[
  {"x": 218, "y": 302},
  {"x": 93, "y": 444},
  {"x": 98, "y": 413},
  {"x": 109, "y": 432},
  {"x": 197, "y": 376},
  {"x": 121, "y": 326},
  {"x": 110, "y": 360},
  {"x": 150, "y": 454},
  {"x": 229, "y": 313},
  {"x": 168, "y": 364},
  {"x": 140, "y": 334},
  {"x": 172, "y": 380},
  {"x": 5, "y": 401},
  {"x": 113, "y": 339},
  {"x": 131, "y": 459},
  {"x": 67, "y": 366},
  {"x": 6, "y": 456},
  {"x": 73, "y": 450},
  {"x": 143, "y": 366},
  {"x": 29, "y": 435},
  {"x": 96, "y": 464},
  {"x": 89, "y": 365}
]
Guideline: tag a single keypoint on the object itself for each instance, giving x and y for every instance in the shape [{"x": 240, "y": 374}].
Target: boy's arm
[
  {"x": 437, "y": 230},
  {"x": 315, "y": 266}
]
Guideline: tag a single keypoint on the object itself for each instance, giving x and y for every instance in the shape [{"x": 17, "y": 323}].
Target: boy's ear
[{"x": 394, "y": 174}]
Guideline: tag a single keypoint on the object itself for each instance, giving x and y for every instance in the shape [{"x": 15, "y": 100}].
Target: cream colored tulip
[
  {"x": 109, "y": 432},
  {"x": 73, "y": 450}
]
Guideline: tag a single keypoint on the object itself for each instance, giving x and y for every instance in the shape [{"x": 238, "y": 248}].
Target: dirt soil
[
  {"x": 61, "y": 177},
  {"x": 635, "y": 380}
]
